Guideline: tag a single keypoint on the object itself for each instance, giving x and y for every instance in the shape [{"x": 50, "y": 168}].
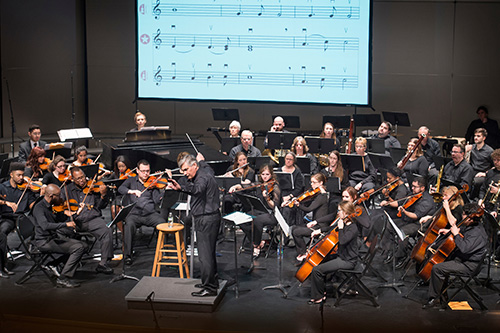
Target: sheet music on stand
[
  {"x": 400, "y": 234},
  {"x": 281, "y": 221},
  {"x": 239, "y": 217},
  {"x": 74, "y": 134}
]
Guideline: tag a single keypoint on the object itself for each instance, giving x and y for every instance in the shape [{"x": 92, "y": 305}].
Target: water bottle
[{"x": 170, "y": 220}]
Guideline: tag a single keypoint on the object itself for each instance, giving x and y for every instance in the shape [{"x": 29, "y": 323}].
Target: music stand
[
  {"x": 304, "y": 165},
  {"x": 352, "y": 162},
  {"x": 397, "y": 119},
  {"x": 376, "y": 145},
  {"x": 228, "y": 143},
  {"x": 439, "y": 161},
  {"x": 319, "y": 145},
  {"x": 226, "y": 182},
  {"x": 491, "y": 226},
  {"x": 366, "y": 120},
  {"x": 381, "y": 161},
  {"x": 219, "y": 167},
  {"x": 257, "y": 162},
  {"x": 90, "y": 170},
  {"x": 280, "y": 140},
  {"x": 333, "y": 185},
  {"x": 63, "y": 149},
  {"x": 337, "y": 121},
  {"x": 225, "y": 114},
  {"x": 290, "y": 121},
  {"x": 397, "y": 154},
  {"x": 121, "y": 217},
  {"x": 4, "y": 173},
  {"x": 113, "y": 184}
]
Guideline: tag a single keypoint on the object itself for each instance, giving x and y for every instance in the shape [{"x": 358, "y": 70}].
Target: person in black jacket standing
[{"x": 205, "y": 205}]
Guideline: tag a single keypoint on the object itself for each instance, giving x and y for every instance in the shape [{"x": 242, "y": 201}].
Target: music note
[
  {"x": 333, "y": 12},
  {"x": 345, "y": 43},
  {"x": 228, "y": 41},
  {"x": 261, "y": 10},
  {"x": 350, "y": 13},
  {"x": 304, "y": 79},
  {"x": 239, "y": 12},
  {"x": 304, "y": 30},
  {"x": 194, "y": 42},
  {"x": 325, "y": 45},
  {"x": 157, "y": 10},
  {"x": 210, "y": 45},
  {"x": 311, "y": 14},
  {"x": 174, "y": 65},
  {"x": 225, "y": 80},
  {"x": 194, "y": 74},
  {"x": 157, "y": 39},
  {"x": 280, "y": 12},
  {"x": 158, "y": 76},
  {"x": 174, "y": 44},
  {"x": 344, "y": 80},
  {"x": 322, "y": 83},
  {"x": 208, "y": 79}
]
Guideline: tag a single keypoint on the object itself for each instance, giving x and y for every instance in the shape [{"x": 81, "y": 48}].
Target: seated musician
[
  {"x": 140, "y": 121},
  {"x": 471, "y": 243},
  {"x": 345, "y": 258},
  {"x": 335, "y": 169},
  {"x": 121, "y": 170},
  {"x": 430, "y": 147},
  {"x": 88, "y": 217},
  {"x": 234, "y": 129},
  {"x": 58, "y": 172},
  {"x": 239, "y": 169},
  {"x": 271, "y": 199},
  {"x": 411, "y": 212},
  {"x": 329, "y": 133},
  {"x": 417, "y": 163},
  {"x": 363, "y": 180},
  {"x": 292, "y": 189},
  {"x": 453, "y": 208},
  {"x": 318, "y": 205},
  {"x": 480, "y": 159},
  {"x": 36, "y": 166},
  {"x": 384, "y": 131},
  {"x": 13, "y": 200},
  {"x": 144, "y": 212},
  {"x": 278, "y": 126},
  {"x": 301, "y": 150},
  {"x": 47, "y": 239},
  {"x": 25, "y": 148},
  {"x": 81, "y": 159},
  {"x": 491, "y": 185},
  {"x": 394, "y": 192},
  {"x": 458, "y": 170},
  {"x": 245, "y": 146}
]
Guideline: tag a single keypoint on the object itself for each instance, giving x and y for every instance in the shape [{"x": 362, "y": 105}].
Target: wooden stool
[{"x": 178, "y": 251}]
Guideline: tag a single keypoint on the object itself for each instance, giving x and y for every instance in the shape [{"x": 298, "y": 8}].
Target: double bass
[
  {"x": 326, "y": 245},
  {"x": 441, "y": 248}
]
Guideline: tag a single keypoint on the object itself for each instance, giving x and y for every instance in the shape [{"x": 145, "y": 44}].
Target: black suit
[{"x": 25, "y": 149}]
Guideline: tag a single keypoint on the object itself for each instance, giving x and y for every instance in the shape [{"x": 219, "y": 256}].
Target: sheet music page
[
  {"x": 284, "y": 226},
  {"x": 238, "y": 217}
]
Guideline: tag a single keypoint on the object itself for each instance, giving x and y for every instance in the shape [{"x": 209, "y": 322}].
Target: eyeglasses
[
  {"x": 185, "y": 169},
  {"x": 456, "y": 152},
  {"x": 144, "y": 171}
]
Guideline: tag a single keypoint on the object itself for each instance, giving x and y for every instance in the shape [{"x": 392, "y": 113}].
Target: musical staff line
[
  {"x": 268, "y": 11},
  {"x": 248, "y": 78},
  {"x": 187, "y": 42}
]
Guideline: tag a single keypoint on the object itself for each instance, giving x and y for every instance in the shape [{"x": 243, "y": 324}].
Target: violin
[
  {"x": 127, "y": 173},
  {"x": 92, "y": 186},
  {"x": 64, "y": 177},
  {"x": 45, "y": 165},
  {"x": 364, "y": 196},
  {"x": 410, "y": 202},
  {"x": 72, "y": 205},
  {"x": 325, "y": 246},
  {"x": 269, "y": 186},
  {"x": 302, "y": 197},
  {"x": 32, "y": 185},
  {"x": 387, "y": 191},
  {"x": 156, "y": 182}
]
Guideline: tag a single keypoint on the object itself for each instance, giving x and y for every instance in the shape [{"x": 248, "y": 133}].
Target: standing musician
[
  {"x": 319, "y": 208},
  {"x": 88, "y": 217},
  {"x": 417, "y": 163},
  {"x": 140, "y": 121},
  {"x": 205, "y": 204},
  {"x": 47, "y": 239},
  {"x": 346, "y": 257},
  {"x": 245, "y": 146},
  {"x": 484, "y": 121},
  {"x": 393, "y": 193},
  {"x": 13, "y": 200},
  {"x": 244, "y": 172},
  {"x": 384, "y": 131},
  {"x": 479, "y": 159},
  {"x": 491, "y": 185},
  {"x": 58, "y": 173},
  {"x": 363, "y": 180},
  {"x": 294, "y": 189},
  {"x": 458, "y": 170},
  {"x": 411, "y": 213},
  {"x": 271, "y": 196},
  {"x": 37, "y": 164},
  {"x": 329, "y": 133},
  {"x": 144, "y": 212},
  {"x": 335, "y": 169},
  {"x": 25, "y": 148},
  {"x": 471, "y": 243},
  {"x": 300, "y": 148}
]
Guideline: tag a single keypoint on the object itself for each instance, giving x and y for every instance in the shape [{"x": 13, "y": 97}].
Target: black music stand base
[
  {"x": 280, "y": 286},
  {"x": 394, "y": 284}
]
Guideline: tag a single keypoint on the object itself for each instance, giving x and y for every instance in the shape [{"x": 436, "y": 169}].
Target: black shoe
[
  {"x": 199, "y": 285},
  {"x": 401, "y": 263},
  {"x": 316, "y": 301},
  {"x": 204, "y": 293},
  {"x": 104, "y": 269},
  {"x": 4, "y": 275},
  {"x": 66, "y": 283},
  {"x": 6, "y": 271},
  {"x": 388, "y": 259},
  {"x": 128, "y": 261},
  {"x": 430, "y": 303}
]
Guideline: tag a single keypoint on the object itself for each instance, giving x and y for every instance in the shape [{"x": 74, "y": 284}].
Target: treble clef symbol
[
  {"x": 158, "y": 76},
  {"x": 157, "y": 39},
  {"x": 157, "y": 10}
]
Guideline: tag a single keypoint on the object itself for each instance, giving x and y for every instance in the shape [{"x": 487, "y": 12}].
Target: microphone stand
[{"x": 12, "y": 124}]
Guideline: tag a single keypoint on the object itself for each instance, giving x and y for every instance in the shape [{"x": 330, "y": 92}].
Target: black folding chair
[
  {"x": 461, "y": 281},
  {"x": 352, "y": 277},
  {"x": 26, "y": 231}
]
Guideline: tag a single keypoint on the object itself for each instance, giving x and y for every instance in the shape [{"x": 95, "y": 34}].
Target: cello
[
  {"x": 325, "y": 246},
  {"x": 440, "y": 221},
  {"x": 442, "y": 247}
]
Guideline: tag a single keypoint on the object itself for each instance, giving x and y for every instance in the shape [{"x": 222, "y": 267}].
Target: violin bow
[
  {"x": 24, "y": 191},
  {"x": 194, "y": 147},
  {"x": 68, "y": 206},
  {"x": 90, "y": 189},
  {"x": 160, "y": 174}
]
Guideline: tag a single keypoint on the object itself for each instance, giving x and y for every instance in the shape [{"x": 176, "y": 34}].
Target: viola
[
  {"x": 441, "y": 248},
  {"x": 440, "y": 221},
  {"x": 387, "y": 191},
  {"x": 364, "y": 196},
  {"x": 302, "y": 197},
  {"x": 410, "y": 202},
  {"x": 92, "y": 186},
  {"x": 45, "y": 165},
  {"x": 32, "y": 185},
  {"x": 325, "y": 246},
  {"x": 127, "y": 173},
  {"x": 71, "y": 205}
]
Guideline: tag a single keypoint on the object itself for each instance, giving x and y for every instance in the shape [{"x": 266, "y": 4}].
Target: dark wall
[{"x": 436, "y": 60}]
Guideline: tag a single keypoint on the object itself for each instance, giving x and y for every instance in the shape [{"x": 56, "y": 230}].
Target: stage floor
[{"x": 99, "y": 306}]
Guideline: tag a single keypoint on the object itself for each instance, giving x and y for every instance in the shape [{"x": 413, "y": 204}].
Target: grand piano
[{"x": 156, "y": 145}]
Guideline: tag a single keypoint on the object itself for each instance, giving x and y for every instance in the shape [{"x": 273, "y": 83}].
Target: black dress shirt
[
  {"x": 480, "y": 159},
  {"x": 204, "y": 193},
  {"x": 431, "y": 149},
  {"x": 146, "y": 203},
  {"x": 93, "y": 203},
  {"x": 490, "y": 125},
  {"x": 348, "y": 242},
  {"x": 459, "y": 174},
  {"x": 251, "y": 152},
  {"x": 13, "y": 194},
  {"x": 46, "y": 222},
  {"x": 473, "y": 244}
]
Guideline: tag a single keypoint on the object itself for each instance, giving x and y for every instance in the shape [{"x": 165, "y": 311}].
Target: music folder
[
  {"x": 352, "y": 162},
  {"x": 319, "y": 145},
  {"x": 381, "y": 161}
]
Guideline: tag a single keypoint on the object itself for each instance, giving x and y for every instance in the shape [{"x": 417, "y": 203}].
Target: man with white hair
[
  {"x": 245, "y": 146},
  {"x": 234, "y": 129}
]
